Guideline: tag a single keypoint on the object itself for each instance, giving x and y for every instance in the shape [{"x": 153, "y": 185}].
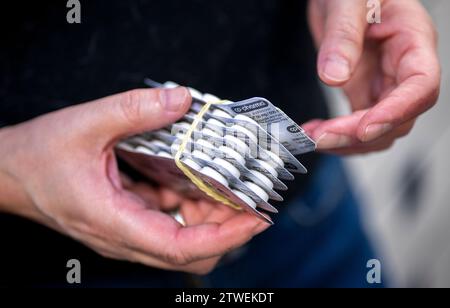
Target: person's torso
[{"x": 235, "y": 50}]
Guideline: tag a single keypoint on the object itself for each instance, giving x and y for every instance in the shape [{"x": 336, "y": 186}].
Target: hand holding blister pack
[{"x": 236, "y": 153}]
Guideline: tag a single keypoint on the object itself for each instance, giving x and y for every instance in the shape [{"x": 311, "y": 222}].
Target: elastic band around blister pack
[{"x": 194, "y": 179}]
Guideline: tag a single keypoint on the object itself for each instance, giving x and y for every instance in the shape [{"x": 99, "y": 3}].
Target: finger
[
  {"x": 380, "y": 144},
  {"x": 147, "y": 193},
  {"x": 366, "y": 81},
  {"x": 199, "y": 267},
  {"x": 417, "y": 92},
  {"x": 200, "y": 212},
  {"x": 133, "y": 112},
  {"x": 310, "y": 126},
  {"x": 194, "y": 213},
  {"x": 409, "y": 56},
  {"x": 363, "y": 148},
  {"x": 220, "y": 213},
  {"x": 341, "y": 132},
  {"x": 315, "y": 20},
  {"x": 159, "y": 235},
  {"x": 342, "y": 44},
  {"x": 212, "y": 239},
  {"x": 111, "y": 251},
  {"x": 170, "y": 200},
  {"x": 126, "y": 180},
  {"x": 338, "y": 132}
]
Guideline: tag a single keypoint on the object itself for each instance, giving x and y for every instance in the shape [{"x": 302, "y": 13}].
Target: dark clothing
[{"x": 235, "y": 50}]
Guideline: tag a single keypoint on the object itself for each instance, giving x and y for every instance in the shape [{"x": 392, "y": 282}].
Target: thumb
[
  {"x": 342, "y": 44},
  {"x": 133, "y": 112}
]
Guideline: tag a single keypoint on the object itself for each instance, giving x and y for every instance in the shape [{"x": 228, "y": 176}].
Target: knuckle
[
  {"x": 387, "y": 145},
  {"x": 407, "y": 130},
  {"x": 435, "y": 94},
  {"x": 431, "y": 97},
  {"x": 390, "y": 144},
  {"x": 177, "y": 258},
  {"x": 130, "y": 106},
  {"x": 403, "y": 134}
]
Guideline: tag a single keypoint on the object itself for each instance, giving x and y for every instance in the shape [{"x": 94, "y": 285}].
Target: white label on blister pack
[{"x": 275, "y": 122}]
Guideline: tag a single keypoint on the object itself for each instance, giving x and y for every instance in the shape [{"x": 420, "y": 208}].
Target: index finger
[{"x": 415, "y": 94}]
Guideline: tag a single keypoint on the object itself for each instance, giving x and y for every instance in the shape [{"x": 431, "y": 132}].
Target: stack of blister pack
[{"x": 237, "y": 153}]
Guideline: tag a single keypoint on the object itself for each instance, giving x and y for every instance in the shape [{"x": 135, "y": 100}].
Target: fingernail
[
  {"x": 174, "y": 99},
  {"x": 333, "y": 141},
  {"x": 374, "y": 131},
  {"x": 336, "y": 69}
]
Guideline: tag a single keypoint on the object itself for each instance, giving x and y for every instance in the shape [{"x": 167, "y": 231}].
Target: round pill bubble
[
  {"x": 164, "y": 154},
  {"x": 218, "y": 126},
  {"x": 262, "y": 178},
  {"x": 221, "y": 113},
  {"x": 191, "y": 164},
  {"x": 181, "y": 135},
  {"x": 246, "y": 132},
  {"x": 244, "y": 198},
  {"x": 195, "y": 93},
  {"x": 242, "y": 117},
  {"x": 184, "y": 125},
  {"x": 215, "y": 122},
  {"x": 174, "y": 148},
  {"x": 266, "y": 166},
  {"x": 209, "y": 132},
  {"x": 227, "y": 165},
  {"x": 230, "y": 153},
  {"x": 257, "y": 190},
  {"x": 181, "y": 129},
  {"x": 205, "y": 143},
  {"x": 170, "y": 85},
  {"x": 158, "y": 143},
  {"x": 209, "y": 98},
  {"x": 238, "y": 143},
  {"x": 208, "y": 171},
  {"x": 143, "y": 150},
  {"x": 276, "y": 158},
  {"x": 201, "y": 155}
]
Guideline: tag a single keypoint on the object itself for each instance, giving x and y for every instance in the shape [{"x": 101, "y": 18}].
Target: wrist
[{"x": 13, "y": 198}]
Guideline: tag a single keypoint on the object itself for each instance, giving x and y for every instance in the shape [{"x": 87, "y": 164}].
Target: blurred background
[{"x": 406, "y": 191}]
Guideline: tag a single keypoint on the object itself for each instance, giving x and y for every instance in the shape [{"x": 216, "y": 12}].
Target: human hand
[
  {"x": 60, "y": 170},
  {"x": 389, "y": 71}
]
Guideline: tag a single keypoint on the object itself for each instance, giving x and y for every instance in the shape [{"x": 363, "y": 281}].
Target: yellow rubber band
[{"x": 206, "y": 188}]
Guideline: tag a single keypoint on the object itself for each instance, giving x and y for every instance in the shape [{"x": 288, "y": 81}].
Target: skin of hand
[
  {"x": 389, "y": 71},
  {"x": 60, "y": 170}
]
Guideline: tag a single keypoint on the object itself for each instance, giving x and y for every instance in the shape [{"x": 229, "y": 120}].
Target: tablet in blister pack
[{"x": 238, "y": 153}]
